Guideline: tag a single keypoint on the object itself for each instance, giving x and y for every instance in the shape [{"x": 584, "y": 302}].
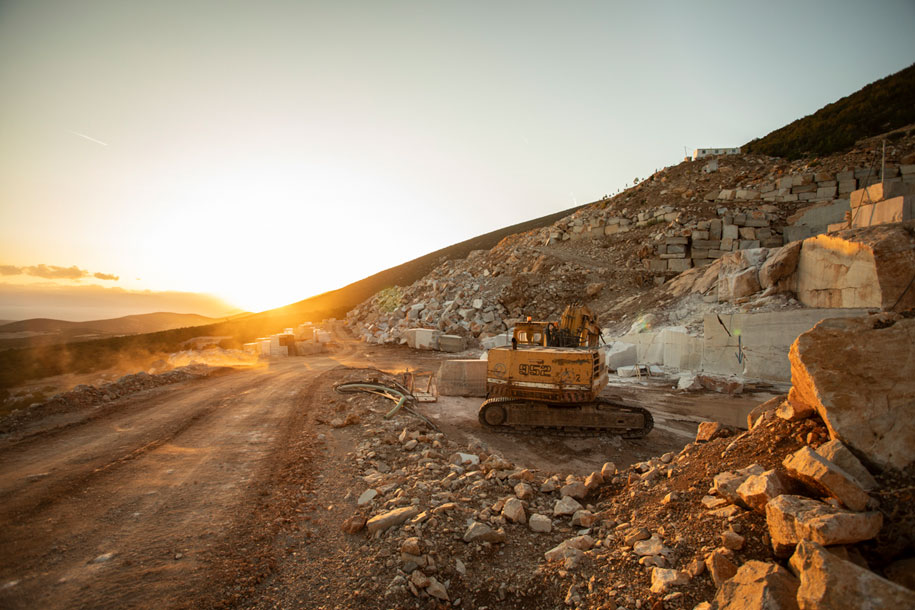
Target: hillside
[
  {"x": 882, "y": 106},
  {"x": 45, "y": 331},
  {"x": 141, "y": 323}
]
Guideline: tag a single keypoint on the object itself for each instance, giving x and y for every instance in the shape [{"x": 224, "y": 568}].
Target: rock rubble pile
[
  {"x": 728, "y": 219},
  {"x": 776, "y": 516}
]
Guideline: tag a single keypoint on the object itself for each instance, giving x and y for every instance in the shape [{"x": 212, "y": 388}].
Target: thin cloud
[
  {"x": 90, "y": 138},
  {"x": 53, "y": 272}
]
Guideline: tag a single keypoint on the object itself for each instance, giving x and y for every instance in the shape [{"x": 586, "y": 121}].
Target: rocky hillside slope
[{"x": 618, "y": 255}]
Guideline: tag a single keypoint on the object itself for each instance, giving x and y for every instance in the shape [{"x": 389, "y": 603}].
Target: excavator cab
[{"x": 577, "y": 328}]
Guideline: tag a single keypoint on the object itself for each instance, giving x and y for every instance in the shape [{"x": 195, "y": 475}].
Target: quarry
[{"x": 760, "y": 309}]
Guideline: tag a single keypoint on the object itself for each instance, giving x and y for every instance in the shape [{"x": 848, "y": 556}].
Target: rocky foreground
[{"x": 811, "y": 507}]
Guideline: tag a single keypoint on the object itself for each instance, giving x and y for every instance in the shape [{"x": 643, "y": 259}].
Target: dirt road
[
  {"x": 117, "y": 509},
  {"x": 174, "y": 497}
]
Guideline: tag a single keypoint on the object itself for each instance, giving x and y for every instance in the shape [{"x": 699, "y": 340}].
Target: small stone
[
  {"x": 757, "y": 490},
  {"x": 732, "y": 540},
  {"x": 103, "y": 558},
  {"x": 727, "y": 483},
  {"x": 540, "y": 523},
  {"x": 713, "y": 502},
  {"x": 524, "y": 491},
  {"x": 575, "y": 490},
  {"x": 437, "y": 589},
  {"x": 391, "y": 518},
  {"x": 513, "y": 510},
  {"x": 354, "y": 524},
  {"x": 593, "y": 481},
  {"x": 583, "y": 518},
  {"x": 412, "y": 546},
  {"x": 483, "y": 533},
  {"x": 652, "y": 546},
  {"x": 636, "y": 535},
  {"x": 419, "y": 580},
  {"x": 608, "y": 470},
  {"x": 367, "y": 496},
  {"x": 662, "y": 579},
  {"x": 720, "y": 567},
  {"x": 566, "y": 506}
]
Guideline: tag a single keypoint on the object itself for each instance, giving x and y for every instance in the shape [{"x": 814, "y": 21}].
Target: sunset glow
[{"x": 289, "y": 148}]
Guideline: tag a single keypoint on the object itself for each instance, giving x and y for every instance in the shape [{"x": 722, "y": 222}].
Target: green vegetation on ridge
[{"x": 881, "y": 106}]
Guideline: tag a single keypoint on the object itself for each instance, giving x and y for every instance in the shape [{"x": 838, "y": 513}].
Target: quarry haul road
[{"x": 121, "y": 509}]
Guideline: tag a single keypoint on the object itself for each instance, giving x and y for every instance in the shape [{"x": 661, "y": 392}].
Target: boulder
[
  {"x": 758, "y": 585},
  {"x": 830, "y": 583},
  {"x": 841, "y": 456},
  {"x": 856, "y": 373},
  {"x": 738, "y": 284},
  {"x": 794, "y": 518},
  {"x": 757, "y": 490},
  {"x": 781, "y": 264},
  {"x": 820, "y": 474},
  {"x": 868, "y": 267}
]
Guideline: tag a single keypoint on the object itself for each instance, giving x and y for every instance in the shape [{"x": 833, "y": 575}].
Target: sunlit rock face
[{"x": 858, "y": 268}]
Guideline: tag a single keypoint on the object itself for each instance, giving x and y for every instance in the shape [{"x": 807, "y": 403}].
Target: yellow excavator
[{"x": 550, "y": 378}]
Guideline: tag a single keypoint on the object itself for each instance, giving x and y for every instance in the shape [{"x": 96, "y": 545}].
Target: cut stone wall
[{"x": 763, "y": 338}]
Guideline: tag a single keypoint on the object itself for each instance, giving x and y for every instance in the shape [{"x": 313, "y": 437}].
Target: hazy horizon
[{"x": 257, "y": 155}]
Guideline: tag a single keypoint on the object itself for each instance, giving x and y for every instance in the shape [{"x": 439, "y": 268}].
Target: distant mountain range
[{"x": 48, "y": 331}]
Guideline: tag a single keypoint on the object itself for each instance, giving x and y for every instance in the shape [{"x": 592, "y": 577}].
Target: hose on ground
[{"x": 397, "y": 394}]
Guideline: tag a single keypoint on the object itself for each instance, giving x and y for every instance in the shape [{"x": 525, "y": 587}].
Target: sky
[{"x": 259, "y": 153}]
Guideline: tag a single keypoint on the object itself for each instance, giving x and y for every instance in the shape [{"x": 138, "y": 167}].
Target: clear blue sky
[{"x": 267, "y": 151}]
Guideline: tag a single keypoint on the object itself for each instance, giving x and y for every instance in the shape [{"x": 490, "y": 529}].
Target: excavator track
[{"x": 595, "y": 418}]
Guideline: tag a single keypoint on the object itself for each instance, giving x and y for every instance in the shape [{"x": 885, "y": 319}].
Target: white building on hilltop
[{"x": 714, "y": 152}]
